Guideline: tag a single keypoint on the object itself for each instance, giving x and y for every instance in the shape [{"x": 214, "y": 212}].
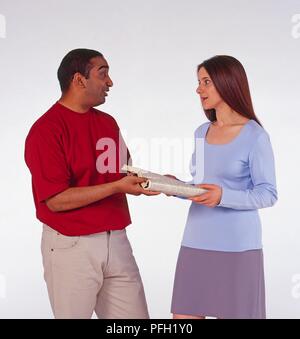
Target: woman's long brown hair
[{"x": 230, "y": 80}]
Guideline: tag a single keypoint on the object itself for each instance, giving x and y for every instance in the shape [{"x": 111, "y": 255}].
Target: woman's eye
[{"x": 207, "y": 82}]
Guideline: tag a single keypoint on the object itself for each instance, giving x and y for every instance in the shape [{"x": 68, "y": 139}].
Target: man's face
[{"x": 98, "y": 82}]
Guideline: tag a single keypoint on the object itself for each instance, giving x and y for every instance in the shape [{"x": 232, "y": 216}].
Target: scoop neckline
[{"x": 232, "y": 140}]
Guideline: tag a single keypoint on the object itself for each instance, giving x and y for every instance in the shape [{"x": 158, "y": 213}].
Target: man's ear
[{"x": 79, "y": 80}]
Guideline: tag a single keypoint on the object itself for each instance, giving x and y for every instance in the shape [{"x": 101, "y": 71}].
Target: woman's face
[{"x": 209, "y": 96}]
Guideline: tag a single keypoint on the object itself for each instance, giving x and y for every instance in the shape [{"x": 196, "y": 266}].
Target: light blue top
[{"x": 244, "y": 168}]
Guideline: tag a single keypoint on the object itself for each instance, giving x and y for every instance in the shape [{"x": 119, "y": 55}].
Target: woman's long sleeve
[{"x": 262, "y": 170}]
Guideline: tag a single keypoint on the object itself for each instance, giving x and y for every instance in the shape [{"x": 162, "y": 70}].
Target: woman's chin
[{"x": 206, "y": 107}]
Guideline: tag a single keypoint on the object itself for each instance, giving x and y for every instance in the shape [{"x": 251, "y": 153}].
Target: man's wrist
[{"x": 116, "y": 187}]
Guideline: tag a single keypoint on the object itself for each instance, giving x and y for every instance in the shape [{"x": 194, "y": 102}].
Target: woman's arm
[{"x": 262, "y": 171}]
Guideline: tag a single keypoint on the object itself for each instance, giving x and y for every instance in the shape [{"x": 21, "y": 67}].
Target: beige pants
[{"x": 90, "y": 273}]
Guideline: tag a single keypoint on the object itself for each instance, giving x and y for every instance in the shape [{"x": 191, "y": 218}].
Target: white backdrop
[{"x": 153, "y": 48}]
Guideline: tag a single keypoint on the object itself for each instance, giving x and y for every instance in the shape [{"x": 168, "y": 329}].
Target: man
[{"x": 80, "y": 198}]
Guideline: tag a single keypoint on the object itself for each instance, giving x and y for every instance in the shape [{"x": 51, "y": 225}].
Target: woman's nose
[{"x": 199, "y": 89}]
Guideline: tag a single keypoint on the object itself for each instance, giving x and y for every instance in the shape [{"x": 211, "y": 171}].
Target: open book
[{"x": 160, "y": 183}]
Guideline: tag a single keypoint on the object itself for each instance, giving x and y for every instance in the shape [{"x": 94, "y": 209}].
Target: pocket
[
  {"x": 63, "y": 242},
  {"x": 58, "y": 241}
]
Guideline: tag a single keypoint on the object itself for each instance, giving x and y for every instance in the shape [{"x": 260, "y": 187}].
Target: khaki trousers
[{"x": 91, "y": 273}]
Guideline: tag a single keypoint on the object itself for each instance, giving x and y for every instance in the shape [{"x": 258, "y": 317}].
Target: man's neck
[{"x": 73, "y": 104}]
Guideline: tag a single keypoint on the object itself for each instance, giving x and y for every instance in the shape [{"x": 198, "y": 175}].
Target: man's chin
[{"x": 99, "y": 102}]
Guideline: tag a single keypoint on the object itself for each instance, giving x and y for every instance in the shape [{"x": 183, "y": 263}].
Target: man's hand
[
  {"x": 211, "y": 198},
  {"x": 149, "y": 193},
  {"x": 131, "y": 184}
]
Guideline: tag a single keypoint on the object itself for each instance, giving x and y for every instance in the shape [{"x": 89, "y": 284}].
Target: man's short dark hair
[{"x": 77, "y": 60}]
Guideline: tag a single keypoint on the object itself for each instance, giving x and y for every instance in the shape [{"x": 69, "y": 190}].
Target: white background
[{"x": 153, "y": 48}]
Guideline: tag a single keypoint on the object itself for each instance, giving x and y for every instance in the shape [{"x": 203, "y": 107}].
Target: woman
[{"x": 220, "y": 265}]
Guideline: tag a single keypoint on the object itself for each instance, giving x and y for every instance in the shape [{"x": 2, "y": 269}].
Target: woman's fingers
[
  {"x": 206, "y": 186},
  {"x": 201, "y": 197},
  {"x": 211, "y": 198}
]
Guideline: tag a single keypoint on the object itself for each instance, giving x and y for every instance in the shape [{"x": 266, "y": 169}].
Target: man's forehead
[{"x": 99, "y": 62}]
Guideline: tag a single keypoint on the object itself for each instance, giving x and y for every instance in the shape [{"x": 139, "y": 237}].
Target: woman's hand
[{"x": 211, "y": 198}]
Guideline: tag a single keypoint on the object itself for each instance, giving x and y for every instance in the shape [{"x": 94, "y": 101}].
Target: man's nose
[{"x": 109, "y": 82}]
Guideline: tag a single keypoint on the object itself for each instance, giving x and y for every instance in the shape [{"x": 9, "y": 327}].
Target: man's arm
[{"x": 76, "y": 197}]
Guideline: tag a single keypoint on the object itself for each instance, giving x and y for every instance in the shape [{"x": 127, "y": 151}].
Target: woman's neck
[{"x": 227, "y": 116}]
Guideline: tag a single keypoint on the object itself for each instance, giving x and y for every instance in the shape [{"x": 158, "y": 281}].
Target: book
[{"x": 160, "y": 183}]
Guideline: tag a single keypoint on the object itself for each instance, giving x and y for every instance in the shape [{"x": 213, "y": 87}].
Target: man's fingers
[
  {"x": 151, "y": 193},
  {"x": 139, "y": 180}
]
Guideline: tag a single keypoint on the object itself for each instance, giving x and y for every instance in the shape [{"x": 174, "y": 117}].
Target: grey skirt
[{"x": 227, "y": 285}]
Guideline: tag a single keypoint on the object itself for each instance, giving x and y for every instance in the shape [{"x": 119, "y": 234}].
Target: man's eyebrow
[{"x": 104, "y": 66}]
